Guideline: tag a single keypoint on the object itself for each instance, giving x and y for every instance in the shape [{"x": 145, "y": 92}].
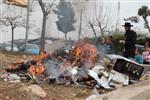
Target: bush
[
  {"x": 141, "y": 39},
  {"x": 117, "y": 46}
]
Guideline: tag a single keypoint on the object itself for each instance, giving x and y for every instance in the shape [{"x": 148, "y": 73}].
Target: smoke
[{"x": 52, "y": 69}]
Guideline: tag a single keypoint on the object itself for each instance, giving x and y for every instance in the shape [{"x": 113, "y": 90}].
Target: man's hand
[{"x": 122, "y": 42}]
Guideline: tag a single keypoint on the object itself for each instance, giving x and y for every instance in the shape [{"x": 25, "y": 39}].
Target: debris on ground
[
  {"x": 119, "y": 78},
  {"x": 81, "y": 65},
  {"x": 14, "y": 78}
]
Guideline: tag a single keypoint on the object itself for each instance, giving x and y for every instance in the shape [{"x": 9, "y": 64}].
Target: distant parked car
[
  {"x": 31, "y": 48},
  {"x": 7, "y": 46},
  {"x": 0, "y": 45}
]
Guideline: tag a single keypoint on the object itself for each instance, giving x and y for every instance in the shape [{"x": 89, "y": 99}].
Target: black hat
[{"x": 127, "y": 24}]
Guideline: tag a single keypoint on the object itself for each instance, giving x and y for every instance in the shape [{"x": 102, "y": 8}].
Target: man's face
[
  {"x": 136, "y": 51},
  {"x": 127, "y": 28}
]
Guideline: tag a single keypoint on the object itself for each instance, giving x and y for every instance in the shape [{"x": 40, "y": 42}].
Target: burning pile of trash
[{"x": 82, "y": 65}]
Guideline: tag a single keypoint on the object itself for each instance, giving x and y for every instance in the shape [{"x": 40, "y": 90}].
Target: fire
[
  {"x": 86, "y": 53},
  {"x": 40, "y": 56},
  {"x": 16, "y": 64},
  {"x": 77, "y": 51},
  {"x": 11, "y": 66},
  {"x": 37, "y": 69}
]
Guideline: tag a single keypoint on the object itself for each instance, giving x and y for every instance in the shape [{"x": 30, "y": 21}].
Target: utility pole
[
  {"x": 118, "y": 17},
  {"x": 27, "y": 25},
  {"x": 80, "y": 27}
]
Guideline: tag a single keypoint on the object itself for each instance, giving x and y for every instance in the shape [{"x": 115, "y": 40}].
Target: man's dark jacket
[{"x": 130, "y": 39}]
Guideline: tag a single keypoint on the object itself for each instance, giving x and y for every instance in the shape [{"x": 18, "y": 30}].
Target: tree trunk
[
  {"x": 27, "y": 25},
  {"x": 100, "y": 27},
  {"x": 12, "y": 40},
  {"x": 66, "y": 36},
  {"x": 96, "y": 38},
  {"x": 43, "y": 33},
  {"x": 93, "y": 29}
]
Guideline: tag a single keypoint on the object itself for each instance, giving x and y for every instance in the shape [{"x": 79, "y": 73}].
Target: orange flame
[
  {"x": 11, "y": 66},
  {"x": 37, "y": 69},
  {"x": 85, "y": 52},
  {"x": 40, "y": 56}
]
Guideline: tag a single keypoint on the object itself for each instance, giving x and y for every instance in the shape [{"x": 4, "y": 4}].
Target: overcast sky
[{"x": 129, "y": 8}]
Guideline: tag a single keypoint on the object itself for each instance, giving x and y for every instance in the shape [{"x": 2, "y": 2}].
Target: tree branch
[
  {"x": 42, "y": 5},
  {"x": 50, "y": 6}
]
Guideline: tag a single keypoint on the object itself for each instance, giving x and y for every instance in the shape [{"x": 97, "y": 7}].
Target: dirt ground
[{"x": 12, "y": 91}]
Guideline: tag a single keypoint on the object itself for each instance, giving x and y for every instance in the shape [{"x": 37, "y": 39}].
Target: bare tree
[
  {"x": 92, "y": 26},
  {"x": 13, "y": 22},
  {"x": 46, "y": 9},
  {"x": 101, "y": 20}
]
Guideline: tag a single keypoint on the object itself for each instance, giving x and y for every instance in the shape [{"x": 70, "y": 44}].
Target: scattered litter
[
  {"x": 118, "y": 77},
  {"x": 98, "y": 68},
  {"x": 73, "y": 70},
  {"x": 14, "y": 78},
  {"x": 100, "y": 82},
  {"x": 105, "y": 73},
  {"x": 146, "y": 76},
  {"x": 80, "y": 65},
  {"x": 4, "y": 76}
]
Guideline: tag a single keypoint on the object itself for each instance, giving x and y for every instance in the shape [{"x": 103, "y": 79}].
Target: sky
[
  {"x": 128, "y": 8},
  {"x": 131, "y": 9}
]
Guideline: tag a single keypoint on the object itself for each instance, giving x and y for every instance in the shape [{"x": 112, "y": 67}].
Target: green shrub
[
  {"x": 117, "y": 46},
  {"x": 141, "y": 39}
]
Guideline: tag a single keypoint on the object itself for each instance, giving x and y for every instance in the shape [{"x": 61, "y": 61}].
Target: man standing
[{"x": 130, "y": 39}]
